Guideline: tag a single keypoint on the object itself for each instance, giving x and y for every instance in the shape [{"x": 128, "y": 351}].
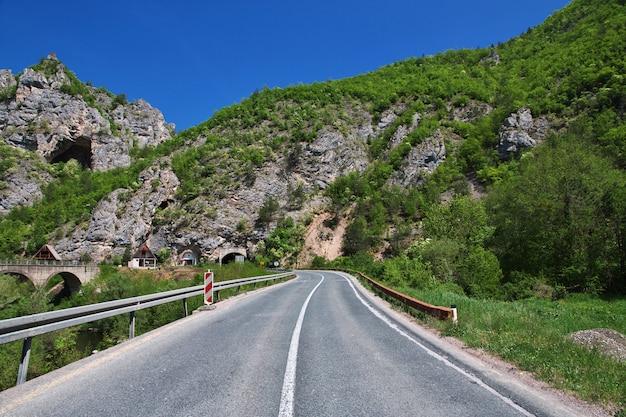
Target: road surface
[{"x": 318, "y": 345}]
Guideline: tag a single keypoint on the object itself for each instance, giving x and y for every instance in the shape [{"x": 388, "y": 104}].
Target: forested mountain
[{"x": 497, "y": 172}]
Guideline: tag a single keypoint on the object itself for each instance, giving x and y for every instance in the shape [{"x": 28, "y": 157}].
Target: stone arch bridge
[{"x": 39, "y": 272}]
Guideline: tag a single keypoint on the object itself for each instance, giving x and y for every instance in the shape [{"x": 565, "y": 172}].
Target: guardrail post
[
  {"x": 131, "y": 326},
  {"x": 185, "y": 311},
  {"x": 23, "y": 370}
]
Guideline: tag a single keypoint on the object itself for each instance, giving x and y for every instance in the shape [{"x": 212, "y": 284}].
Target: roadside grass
[{"x": 533, "y": 334}]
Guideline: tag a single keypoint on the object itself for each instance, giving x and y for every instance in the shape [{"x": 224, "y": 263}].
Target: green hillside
[
  {"x": 528, "y": 241},
  {"x": 552, "y": 215}
]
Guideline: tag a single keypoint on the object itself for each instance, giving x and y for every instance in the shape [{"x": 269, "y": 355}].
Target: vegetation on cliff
[
  {"x": 534, "y": 225},
  {"x": 553, "y": 215}
]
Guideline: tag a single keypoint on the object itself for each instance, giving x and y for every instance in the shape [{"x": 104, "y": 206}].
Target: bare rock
[
  {"x": 7, "y": 80},
  {"x": 421, "y": 161},
  {"x": 332, "y": 155},
  {"x": 43, "y": 117},
  {"x": 520, "y": 131},
  {"x": 124, "y": 218},
  {"x": 21, "y": 184},
  {"x": 471, "y": 112},
  {"x": 143, "y": 124}
]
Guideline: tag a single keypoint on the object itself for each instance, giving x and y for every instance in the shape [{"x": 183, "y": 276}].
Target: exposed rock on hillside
[
  {"x": 421, "y": 161},
  {"x": 46, "y": 116},
  {"x": 332, "y": 155},
  {"x": 123, "y": 219},
  {"x": 142, "y": 123},
  {"x": 520, "y": 131},
  {"x": 21, "y": 185},
  {"x": 6, "y": 79},
  {"x": 471, "y": 112},
  {"x": 42, "y": 112},
  {"x": 207, "y": 226}
]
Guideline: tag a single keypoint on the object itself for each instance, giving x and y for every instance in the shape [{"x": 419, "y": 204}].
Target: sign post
[{"x": 208, "y": 287}]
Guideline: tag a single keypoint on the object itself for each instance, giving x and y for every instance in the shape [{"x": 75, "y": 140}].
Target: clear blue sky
[{"x": 191, "y": 58}]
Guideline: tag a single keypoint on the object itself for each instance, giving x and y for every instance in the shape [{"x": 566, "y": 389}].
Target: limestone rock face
[
  {"x": 471, "y": 112},
  {"x": 21, "y": 185},
  {"x": 123, "y": 219},
  {"x": 46, "y": 116},
  {"x": 6, "y": 79},
  {"x": 331, "y": 155},
  {"x": 515, "y": 134},
  {"x": 421, "y": 161},
  {"x": 143, "y": 123}
]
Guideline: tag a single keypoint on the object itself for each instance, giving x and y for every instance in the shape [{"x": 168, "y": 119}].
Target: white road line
[
  {"x": 289, "y": 382},
  {"x": 435, "y": 355}
]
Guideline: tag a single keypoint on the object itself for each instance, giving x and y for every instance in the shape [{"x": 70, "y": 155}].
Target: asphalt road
[{"x": 315, "y": 346}]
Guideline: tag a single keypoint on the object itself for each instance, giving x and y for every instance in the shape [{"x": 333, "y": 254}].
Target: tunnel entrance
[
  {"x": 233, "y": 257},
  {"x": 79, "y": 151}
]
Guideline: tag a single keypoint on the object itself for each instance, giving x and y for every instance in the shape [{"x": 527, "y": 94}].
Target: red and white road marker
[{"x": 208, "y": 287}]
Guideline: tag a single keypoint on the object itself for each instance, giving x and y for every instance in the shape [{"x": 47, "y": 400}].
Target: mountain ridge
[{"x": 378, "y": 149}]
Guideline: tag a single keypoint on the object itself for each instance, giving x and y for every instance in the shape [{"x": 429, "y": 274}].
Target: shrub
[{"x": 479, "y": 273}]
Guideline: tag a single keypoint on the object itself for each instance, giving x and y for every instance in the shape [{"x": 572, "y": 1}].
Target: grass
[{"x": 533, "y": 335}]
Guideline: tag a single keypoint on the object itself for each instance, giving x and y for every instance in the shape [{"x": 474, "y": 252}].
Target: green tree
[
  {"x": 562, "y": 217},
  {"x": 285, "y": 240},
  {"x": 268, "y": 210},
  {"x": 357, "y": 237},
  {"x": 479, "y": 273},
  {"x": 463, "y": 219}
]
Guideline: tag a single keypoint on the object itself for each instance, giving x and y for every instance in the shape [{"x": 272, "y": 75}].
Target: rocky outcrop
[
  {"x": 421, "y": 161},
  {"x": 471, "y": 112},
  {"x": 331, "y": 155},
  {"x": 142, "y": 123},
  {"x": 519, "y": 131},
  {"x": 403, "y": 131},
  {"x": 21, "y": 184},
  {"x": 317, "y": 164},
  {"x": 123, "y": 219},
  {"x": 7, "y": 80},
  {"x": 44, "y": 115}
]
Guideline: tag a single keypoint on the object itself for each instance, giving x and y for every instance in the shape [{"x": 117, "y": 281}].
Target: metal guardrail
[
  {"x": 441, "y": 313},
  {"x": 26, "y": 327}
]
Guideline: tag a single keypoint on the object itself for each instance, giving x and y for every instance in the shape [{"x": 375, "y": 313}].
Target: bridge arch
[
  {"x": 74, "y": 274},
  {"x": 19, "y": 275},
  {"x": 70, "y": 281}
]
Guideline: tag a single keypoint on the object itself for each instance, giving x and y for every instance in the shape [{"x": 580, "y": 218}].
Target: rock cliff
[
  {"x": 520, "y": 131},
  {"x": 48, "y": 116},
  {"x": 48, "y": 111}
]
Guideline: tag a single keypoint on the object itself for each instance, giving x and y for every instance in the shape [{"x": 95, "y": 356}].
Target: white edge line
[{"x": 438, "y": 356}]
